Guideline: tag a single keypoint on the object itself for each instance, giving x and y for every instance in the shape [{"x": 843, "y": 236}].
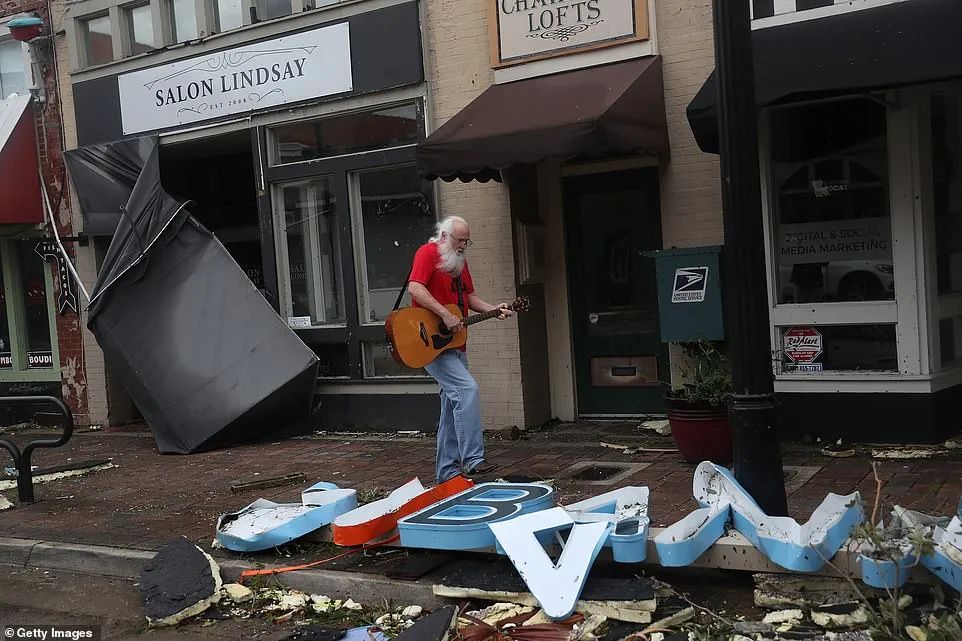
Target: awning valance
[
  {"x": 612, "y": 109},
  {"x": 21, "y": 202},
  {"x": 889, "y": 46}
]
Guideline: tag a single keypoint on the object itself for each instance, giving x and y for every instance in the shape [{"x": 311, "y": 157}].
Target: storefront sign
[
  {"x": 528, "y": 29},
  {"x": 48, "y": 251},
  {"x": 802, "y": 345},
  {"x": 284, "y": 70},
  {"x": 824, "y": 242},
  {"x": 39, "y": 360},
  {"x": 690, "y": 285}
]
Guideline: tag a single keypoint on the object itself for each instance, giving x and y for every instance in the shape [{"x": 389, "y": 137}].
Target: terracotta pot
[{"x": 702, "y": 433}]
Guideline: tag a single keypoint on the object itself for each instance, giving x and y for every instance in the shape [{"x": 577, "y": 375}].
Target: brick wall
[
  {"x": 456, "y": 51},
  {"x": 70, "y": 332},
  {"x": 690, "y": 184}
]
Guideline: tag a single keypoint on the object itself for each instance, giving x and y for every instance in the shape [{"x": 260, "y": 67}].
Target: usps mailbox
[{"x": 689, "y": 293}]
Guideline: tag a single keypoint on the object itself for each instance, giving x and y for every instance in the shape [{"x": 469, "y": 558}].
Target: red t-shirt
[{"x": 438, "y": 282}]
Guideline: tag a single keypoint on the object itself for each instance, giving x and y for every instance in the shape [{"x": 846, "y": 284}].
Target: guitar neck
[{"x": 477, "y": 318}]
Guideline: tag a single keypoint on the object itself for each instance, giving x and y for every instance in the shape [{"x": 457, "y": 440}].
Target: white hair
[{"x": 446, "y": 226}]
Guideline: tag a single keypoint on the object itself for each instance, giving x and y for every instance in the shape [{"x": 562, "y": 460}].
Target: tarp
[
  {"x": 203, "y": 355},
  {"x": 103, "y": 177},
  {"x": 605, "y": 110},
  {"x": 889, "y": 46}
]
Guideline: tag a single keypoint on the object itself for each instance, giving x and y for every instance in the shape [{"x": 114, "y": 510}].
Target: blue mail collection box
[{"x": 689, "y": 293}]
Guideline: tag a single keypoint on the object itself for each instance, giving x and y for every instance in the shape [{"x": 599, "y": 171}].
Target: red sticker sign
[{"x": 802, "y": 344}]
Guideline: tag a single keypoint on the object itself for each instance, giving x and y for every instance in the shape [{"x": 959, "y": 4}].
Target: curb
[{"x": 126, "y": 563}]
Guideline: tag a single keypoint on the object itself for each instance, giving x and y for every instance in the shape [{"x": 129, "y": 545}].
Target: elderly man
[{"x": 439, "y": 277}]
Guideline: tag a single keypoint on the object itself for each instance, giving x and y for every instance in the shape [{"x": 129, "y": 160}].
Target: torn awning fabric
[
  {"x": 890, "y": 46},
  {"x": 205, "y": 358},
  {"x": 103, "y": 177},
  {"x": 601, "y": 111}
]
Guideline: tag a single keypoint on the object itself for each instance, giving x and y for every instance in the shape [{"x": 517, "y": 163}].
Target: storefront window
[
  {"x": 140, "y": 29},
  {"x": 98, "y": 41},
  {"x": 947, "y": 190},
  {"x": 378, "y": 362},
  {"x": 274, "y": 8},
  {"x": 830, "y": 191},
  {"x": 183, "y": 20},
  {"x": 229, "y": 14},
  {"x": 867, "y": 348},
  {"x": 13, "y": 70},
  {"x": 312, "y": 251},
  {"x": 347, "y": 134},
  {"x": 6, "y": 355},
  {"x": 396, "y": 219},
  {"x": 334, "y": 361},
  {"x": 36, "y": 315}
]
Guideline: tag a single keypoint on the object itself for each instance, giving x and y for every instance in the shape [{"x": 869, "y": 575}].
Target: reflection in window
[
  {"x": 36, "y": 316},
  {"x": 140, "y": 29},
  {"x": 947, "y": 190},
  {"x": 830, "y": 177},
  {"x": 229, "y": 15},
  {"x": 183, "y": 20},
  {"x": 310, "y": 228},
  {"x": 379, "y": 363},
  {"x": 13, "y": 71},
  {"x": 346, "y": 134},
  {"x": 838, "y": 347},
  {"x": 334, "y": 361},
  {"x": 98, "y": 41},
  {"x": 6, "y": 348},
  {"x": 275, "y": 8},
  {"x": 396, "y": 219}
]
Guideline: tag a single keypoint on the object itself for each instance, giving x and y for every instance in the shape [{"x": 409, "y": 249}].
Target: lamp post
[{"x": 754, "y": 415}]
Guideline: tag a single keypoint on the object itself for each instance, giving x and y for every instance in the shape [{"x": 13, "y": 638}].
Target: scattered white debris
[
  {"x": 5, "y": 504},
  {"x": 661, "y": 428},
  {"x": 238, "y": 593},
  {"x": 953, "y": 444},
  {"x": 499, "y": 612},
  {"x": 858, "y": 616},
  {"x": 412, "y": 611},
  {"x": 585, "y": 631},
  {"x": 9, "y": 484},
  {"x": 784, "y": 616},
  {"x": 902, "y": 453}
]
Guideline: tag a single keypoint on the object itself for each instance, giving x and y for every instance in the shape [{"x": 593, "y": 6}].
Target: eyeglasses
[{"x": 467, "y": 242}]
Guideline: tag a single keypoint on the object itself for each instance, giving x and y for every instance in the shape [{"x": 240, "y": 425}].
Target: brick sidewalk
[{"x": 150, "y": 498}]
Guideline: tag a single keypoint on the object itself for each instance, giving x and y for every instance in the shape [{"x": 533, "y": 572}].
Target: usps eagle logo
[{"x": 690, "y": 285}]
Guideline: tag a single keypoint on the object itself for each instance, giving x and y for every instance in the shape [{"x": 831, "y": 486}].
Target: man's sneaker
[{"x": 481, "y": 469}]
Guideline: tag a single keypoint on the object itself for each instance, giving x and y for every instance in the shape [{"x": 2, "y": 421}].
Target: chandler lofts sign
[
  {"x": 523, "y": 30},
  {"x": 284, "y": 70}
]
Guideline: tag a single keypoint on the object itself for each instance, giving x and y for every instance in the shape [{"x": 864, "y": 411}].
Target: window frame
[
  {"x": 906, "y": 311},
  {"x": 82, "y": 32},
  {"x": 127, "y": 27},
  {"x": 25, "y": 55},
  {"x": 16, "y": 319},
  {"x": 169, "y": 21},
  {"x": 352, "y": 332}
]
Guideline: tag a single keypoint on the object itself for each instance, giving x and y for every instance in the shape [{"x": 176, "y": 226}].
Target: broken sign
[
  {"x": 627, "y": 509},
  {"x": 180, "y": 582},
  {"x": 461, "y": 522}
]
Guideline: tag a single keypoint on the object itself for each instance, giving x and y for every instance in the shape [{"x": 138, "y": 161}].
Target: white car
[{"x": 842, "y": 280}]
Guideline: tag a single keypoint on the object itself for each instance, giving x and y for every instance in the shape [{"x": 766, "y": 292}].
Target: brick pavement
[{"x": 150, "y": 498}]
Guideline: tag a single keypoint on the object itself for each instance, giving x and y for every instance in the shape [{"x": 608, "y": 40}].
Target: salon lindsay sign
[{"x": 285, "y": 70}]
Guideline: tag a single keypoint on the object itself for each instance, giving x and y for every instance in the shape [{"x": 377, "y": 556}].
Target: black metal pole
[{"x": 758, "y": 462}]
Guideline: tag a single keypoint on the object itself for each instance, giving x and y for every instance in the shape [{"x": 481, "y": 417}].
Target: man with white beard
[{"x": 439, "y": 277}]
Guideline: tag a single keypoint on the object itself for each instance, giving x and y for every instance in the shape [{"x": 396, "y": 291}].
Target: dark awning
[
  {"x": 893, "y": 45},
  {"x": 600, "y": 111},
  {"x": 19, "y": 176}
]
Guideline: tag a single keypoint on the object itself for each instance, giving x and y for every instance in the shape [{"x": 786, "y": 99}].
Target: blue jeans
[{"x": 460, "y": 442}]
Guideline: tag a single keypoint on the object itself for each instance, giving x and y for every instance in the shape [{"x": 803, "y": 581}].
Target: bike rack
[{"x": 22, "y": 458}]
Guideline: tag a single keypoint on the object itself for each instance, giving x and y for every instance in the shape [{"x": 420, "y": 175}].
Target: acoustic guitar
[{"x": 418, "y": 335}]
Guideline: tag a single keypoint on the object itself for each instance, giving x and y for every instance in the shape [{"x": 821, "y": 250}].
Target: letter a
[{"x": 556, "y": 587}]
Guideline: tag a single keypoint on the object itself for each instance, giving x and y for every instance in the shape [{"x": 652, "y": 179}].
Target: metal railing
[{"x": 21, "y": 458}]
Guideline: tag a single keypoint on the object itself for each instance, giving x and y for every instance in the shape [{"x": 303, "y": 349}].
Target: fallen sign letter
[
  {"x": 264, "y": 524},
  {"x": 181, "y": 581},
  {"x": 378, "y": 518},
  {"x": 627, "y": 509},
  {"x": 557, "y": 587},
  {"x": 461, "y": 522}
]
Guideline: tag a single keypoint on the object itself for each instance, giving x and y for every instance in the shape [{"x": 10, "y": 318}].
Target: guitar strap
[{"x": 400, "y": 294}]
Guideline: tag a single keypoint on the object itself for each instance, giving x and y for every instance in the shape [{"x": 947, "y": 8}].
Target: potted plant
[{"x": 698, "y": 410}]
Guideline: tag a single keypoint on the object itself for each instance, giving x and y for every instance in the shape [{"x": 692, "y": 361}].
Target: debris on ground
[
  {"x": 838, "y": 449},
  {"x": 315, "y": 633},
  {"x": 294, "y": 478},
  {"x": 238, "y": 593},
  {"x": 437, "y": 626},
  {"x": 784, "y": 616},
  {"x": 60, "y": 473},
  {"x": 906, "y": 453},
  {"x": 660, "y": 427},
  {"x": 779, "y": 591},
  {"x": 5, "y": 503},
  {"x": 180, "y": 582},
  {"x": 842, "y": 615}
]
